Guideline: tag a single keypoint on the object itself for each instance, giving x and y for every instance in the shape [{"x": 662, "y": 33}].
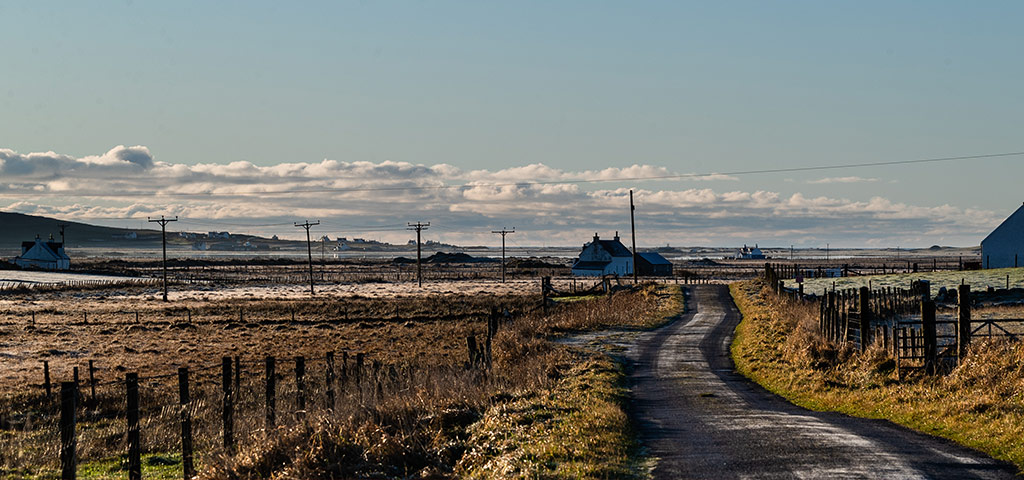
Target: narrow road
[{"x": 700, "y": 419}]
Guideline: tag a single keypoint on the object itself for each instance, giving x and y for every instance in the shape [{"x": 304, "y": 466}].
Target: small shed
[
  {"x": 652, "y": 264},
  {"x": 1004, "y": 247},
  {"x": 46, "y": 255}
]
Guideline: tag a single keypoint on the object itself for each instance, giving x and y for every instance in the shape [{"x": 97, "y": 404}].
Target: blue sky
[{"x": 575, "y": 86}]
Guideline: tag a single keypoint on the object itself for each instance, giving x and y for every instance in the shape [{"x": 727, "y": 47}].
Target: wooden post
[
  {"x": 68, "y": 442},
  {"x": 271, "y": 393},
  {"x": 300, "y": 387},
  {"x": 46, "y": 380},
  {"x": 131, "y": 381},
  {"x": 928, "y": 331},
  {"x": 865, "y": 318},
  {"x": 92, "y": 382},
  {"x": 330, "y": 381},
  {"x": 238, "y": 380},
  {"x": 228, "y": 412},
  {"x": 188, "y": 469},
  {"x": 963, "y": 330},
  {"x": 344, "y": 369},
  {"x": 471, "y": 344}
]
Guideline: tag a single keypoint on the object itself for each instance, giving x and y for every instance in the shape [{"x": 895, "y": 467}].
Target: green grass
[
  {"x": 977, "y": 279},
  {"x": 154, "y": 466}
]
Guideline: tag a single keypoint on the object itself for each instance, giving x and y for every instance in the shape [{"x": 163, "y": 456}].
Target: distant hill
[{"x": 16, "y": 228}]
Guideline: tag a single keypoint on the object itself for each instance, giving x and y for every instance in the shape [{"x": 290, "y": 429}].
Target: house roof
[
  {"x": 1013, "y": 218},
  {"x": 615, "y": 248},
  {"x": 45, "y": 251},
  {"x": 654, "y": 258}
]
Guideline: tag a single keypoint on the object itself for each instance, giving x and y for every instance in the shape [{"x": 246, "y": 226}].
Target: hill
[{"x": 17, "y": 227}]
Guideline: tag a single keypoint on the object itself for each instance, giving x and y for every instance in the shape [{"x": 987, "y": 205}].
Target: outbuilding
[
  {"x": 652, "y": 264},
  {"x": 1004, "y": 247}
]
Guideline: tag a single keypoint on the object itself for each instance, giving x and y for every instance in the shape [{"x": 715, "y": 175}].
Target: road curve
[{"x": 697, "y": 418}]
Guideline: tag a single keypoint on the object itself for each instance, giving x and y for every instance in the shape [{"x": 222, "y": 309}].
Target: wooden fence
[{"x": 902, "y": 321}]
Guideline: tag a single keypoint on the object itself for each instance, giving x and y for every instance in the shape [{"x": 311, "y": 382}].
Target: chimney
[
  {"x": 596, "y": 238},
  {"x": 616, "y": 235}
]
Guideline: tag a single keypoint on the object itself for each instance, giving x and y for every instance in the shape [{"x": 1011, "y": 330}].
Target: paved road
[{"x": 699, "y": 419}]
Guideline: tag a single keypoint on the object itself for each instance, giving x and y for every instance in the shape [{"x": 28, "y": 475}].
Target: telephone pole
[
  {"x": 632, "y": 227},
  {"x": 309, "y": 251},
  {"x": 503, "y": 232},
  {"x": 61, "y": 226},
  {"x": 419, "y": 227},
  {"x": 163, "y": 236}
]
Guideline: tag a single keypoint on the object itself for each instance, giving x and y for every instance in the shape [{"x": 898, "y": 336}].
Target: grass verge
[{"x": 979, "y": 405}]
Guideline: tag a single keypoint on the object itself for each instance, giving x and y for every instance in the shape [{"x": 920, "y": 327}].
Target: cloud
[
  {"x": 828, "y": 180},
  {"x": 547, "y": 205}
]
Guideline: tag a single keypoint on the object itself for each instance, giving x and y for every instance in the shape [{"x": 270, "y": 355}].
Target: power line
[{"x": 525, "y": 184}]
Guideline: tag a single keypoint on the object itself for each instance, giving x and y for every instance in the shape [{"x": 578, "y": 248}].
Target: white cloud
[{"x": 129, "y": 182}]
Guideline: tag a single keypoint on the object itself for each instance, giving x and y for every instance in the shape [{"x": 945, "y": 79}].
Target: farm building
[
  {"x": 604, "y": 257},
  {"x": 1004, "y": 247},
  {"x": 45, "y": 255},
  {"x": 652, "y": 264}
]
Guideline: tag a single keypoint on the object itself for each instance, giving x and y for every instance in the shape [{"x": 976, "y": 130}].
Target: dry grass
[
  {"x": 414, "y": 415},
  {"x": 980, "y": 404}
]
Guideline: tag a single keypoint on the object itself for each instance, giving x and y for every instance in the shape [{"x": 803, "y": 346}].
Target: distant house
[
  {"x": 224, "y": 235},
  {"x": 748, "y": 253},
  {"x": 652, "y": 264},
  {"x": 45, "y": 255},
  {"x": 126, "y": 236},
  {"x": 1004, "y": 247},
  {"x": 604, "y": 257}
]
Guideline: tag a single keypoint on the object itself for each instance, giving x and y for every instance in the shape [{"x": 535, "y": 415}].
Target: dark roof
[
  {"x": 615, "y": 248},
  {"x": 654, "y": 258},
  {"x": 589, "y": 265}
]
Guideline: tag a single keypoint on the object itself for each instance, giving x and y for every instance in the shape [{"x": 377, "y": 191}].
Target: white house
[
  {"x": 748, "y": 253},
  {"x": 604, "y": 257},
  {"x": 45, "y": 255},
  {"x": 1004, "y": 247}
]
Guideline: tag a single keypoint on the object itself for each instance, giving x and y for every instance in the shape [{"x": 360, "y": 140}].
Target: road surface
[{"x": 699, "y": 419}]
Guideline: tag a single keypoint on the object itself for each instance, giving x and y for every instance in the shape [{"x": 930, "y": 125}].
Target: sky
[{"x": 476, "y": 116}]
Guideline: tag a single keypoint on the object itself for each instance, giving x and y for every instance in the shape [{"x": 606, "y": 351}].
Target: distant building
[
  {"x": 126, "y": 236},
  {"x": 748, "y": 253},
  {"x": 652, "y": 264},
  {"x": 1004, "y": 247},
  {"x": 45, "y": 255},
  {"x": 224, "y": 235},
  {"x": 604, "y": 257}
]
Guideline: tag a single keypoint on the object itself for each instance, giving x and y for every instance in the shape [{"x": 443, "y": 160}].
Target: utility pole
[
  {"x": 419, "y": 267},
  {"x": 61, "y": 227},
  {"x": 826, "y": 253},
  {"x": 632, "y": 227},
  {"x": 323, "y": 260},
  {"x": 503, "y": 232},
  {"x": 163, "y": 236},
  {"x": 309, "y": 251}
]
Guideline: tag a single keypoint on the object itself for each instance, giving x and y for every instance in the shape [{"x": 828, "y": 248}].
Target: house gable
[{"x": 1013, "y": 224}]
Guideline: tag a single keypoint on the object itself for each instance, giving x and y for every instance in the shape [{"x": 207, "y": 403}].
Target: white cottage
[
  {"x": 604, "y": 257},
  {"x": 1004, "y": 247},
  {"x": 45, "y": 255}
]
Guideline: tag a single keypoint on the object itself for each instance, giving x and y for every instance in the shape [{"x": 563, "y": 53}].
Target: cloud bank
[{"x": 544, "y": 204}]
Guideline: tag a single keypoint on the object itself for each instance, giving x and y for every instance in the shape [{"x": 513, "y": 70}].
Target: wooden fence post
[
  {"x": 271, "y": 393},
  {"x": 68, "y": 442},
  {"x": 865, "y": 318},
  {"x": 929, "y": 333},
  {"x": 300, "y": 387},
  {"x": 238, "y": 380},
  {"x": 131, "y": 381},
  {"x": 188, "y": 469},
  {"x": 46, "y": 380},
  {"x": 963, "y": 337},
  {"x": 228, "y": 412},
  {"x": 471, "y": 344},
  {"x": 92, "y": 382},
  {"x": 330, "y": 381}
]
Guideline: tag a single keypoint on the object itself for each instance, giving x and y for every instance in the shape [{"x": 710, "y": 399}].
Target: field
[
  {"x": 414, "y": 404},
  {"x": 979, "y": 280}
]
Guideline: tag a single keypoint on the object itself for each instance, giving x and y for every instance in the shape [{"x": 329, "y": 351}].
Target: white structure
[
  {"x": 1004, "y": 247},
  {"x": 748, "y": 253},
  {"x": 45, "y": 255},
  {"x": 604, "y": 257}
]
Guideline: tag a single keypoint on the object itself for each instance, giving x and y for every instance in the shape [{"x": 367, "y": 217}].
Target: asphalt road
[{"x": 700, "y": 419}]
